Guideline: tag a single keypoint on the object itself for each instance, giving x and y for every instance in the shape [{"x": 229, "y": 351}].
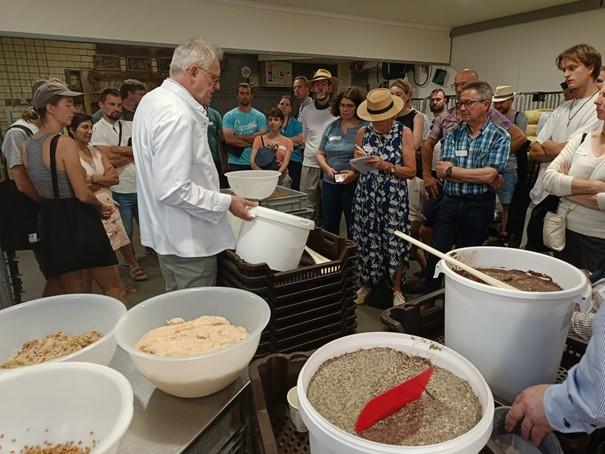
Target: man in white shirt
[
  {"x": 183, "y": 213},
  {"x": 301, "y": 91},
  {"x": 581, "y": 65},
  {"x": 111, "y": 136},
  {"x": 314, "y": 118}
]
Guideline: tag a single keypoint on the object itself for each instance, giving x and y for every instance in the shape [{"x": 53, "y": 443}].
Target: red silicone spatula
[{"x": 393, "y": 400}]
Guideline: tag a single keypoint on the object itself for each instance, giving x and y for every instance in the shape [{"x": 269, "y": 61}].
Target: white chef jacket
[{"x": 181, "y": 209}]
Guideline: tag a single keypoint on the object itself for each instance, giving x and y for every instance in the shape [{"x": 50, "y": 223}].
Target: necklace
[{"x": 570, "y": 116}]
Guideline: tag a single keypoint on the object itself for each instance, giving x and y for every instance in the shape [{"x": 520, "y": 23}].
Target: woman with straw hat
[{"x": 381, "y": 197}]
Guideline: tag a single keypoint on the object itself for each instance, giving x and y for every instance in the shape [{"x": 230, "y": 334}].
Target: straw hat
[
  {"x": 380, "y": 105},
  {"x": 503, "y": 92},
  {"x": 321, "y": 74}
]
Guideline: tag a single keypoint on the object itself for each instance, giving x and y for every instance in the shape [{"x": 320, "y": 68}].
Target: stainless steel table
[{"x": 166, "y": 424}]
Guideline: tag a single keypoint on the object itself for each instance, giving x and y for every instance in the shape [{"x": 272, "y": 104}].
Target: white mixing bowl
[
  {"x": 63, "y": 402},
  {"x": 253, "y": 184},
  {"x": 200, "y": 375},
  {"x": 73, "y": 314}
]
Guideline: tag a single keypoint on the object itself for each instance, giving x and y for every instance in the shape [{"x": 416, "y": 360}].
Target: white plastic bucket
[
  {"x": 325, "y": 438},
  {"x": 275, "y": 238},
  {"x": 516, "y": 339}
]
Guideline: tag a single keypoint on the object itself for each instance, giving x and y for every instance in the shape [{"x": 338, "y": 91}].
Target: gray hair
[
  {"x": 194, "y": 52},
  {"x": 483, "y": 89}
]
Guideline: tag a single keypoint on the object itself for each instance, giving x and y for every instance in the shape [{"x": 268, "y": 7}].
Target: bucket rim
[
  {"x": 481, "y": 430},
  {"x": 517, "y": 294}
]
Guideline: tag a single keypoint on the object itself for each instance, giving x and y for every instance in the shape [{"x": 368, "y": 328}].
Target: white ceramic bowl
[
  {"x": 253, "y": 184},
  {"x": 200, "y": 375},
  {"x": 73, "y": 314},
  {"x": 62, "y": 402}
]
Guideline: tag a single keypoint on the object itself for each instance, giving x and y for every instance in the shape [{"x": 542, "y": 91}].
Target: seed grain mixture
[
  {"x": 53, "y": 346},
  {"x": 343, "y": 385}
]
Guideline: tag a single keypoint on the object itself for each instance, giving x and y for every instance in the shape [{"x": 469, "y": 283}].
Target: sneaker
[
  {"x": 362, "y": 293},
  {"x": 398, "y": 299}
]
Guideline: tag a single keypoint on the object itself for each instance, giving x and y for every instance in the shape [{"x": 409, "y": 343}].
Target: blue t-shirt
[
  {"x": 243, "y": 124},
  {"x": 292, "y": 129},
  {"x": 339, "y": 147}
]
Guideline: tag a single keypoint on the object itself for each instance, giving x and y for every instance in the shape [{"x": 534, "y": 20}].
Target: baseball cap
[{"x": 47, "y": 91}]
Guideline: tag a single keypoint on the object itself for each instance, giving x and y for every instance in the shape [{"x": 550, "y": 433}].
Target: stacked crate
[
  {"x": 310, "y": 305},
  {"x": 285, "y": 200}
]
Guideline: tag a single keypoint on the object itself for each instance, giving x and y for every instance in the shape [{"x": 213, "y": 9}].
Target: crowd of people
[{"x": 159, "y": 159}]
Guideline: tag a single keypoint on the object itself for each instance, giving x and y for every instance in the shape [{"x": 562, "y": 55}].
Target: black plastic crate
[
  {"x": 270, "y": 380},
  {"x": 295, "y": 301},
  {"x": 285, "y": 339},
  {"x": 308, "y": 278},
  {"x": 339, "y": 250},
  {"x": 267, "y": 347},
  {"x": 345, "y": 303},
  {"x": 424, "y": 316},
  {"x": 304, "y": 326}
]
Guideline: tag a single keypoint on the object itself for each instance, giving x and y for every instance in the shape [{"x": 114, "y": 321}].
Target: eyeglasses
[
  {"x": 213, "y": 77},
  {"x": 467, "y": 103}
]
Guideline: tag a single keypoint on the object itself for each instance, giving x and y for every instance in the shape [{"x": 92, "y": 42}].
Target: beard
[
  {"x": 244, "y": 102},
  {"x": 115, "y": 115},
  {"x": 437, "y": 110}
]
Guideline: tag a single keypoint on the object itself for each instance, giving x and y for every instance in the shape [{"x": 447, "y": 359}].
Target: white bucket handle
[
  {"x": 438, "y": 270},
  {"x": 584, "y": 301}
]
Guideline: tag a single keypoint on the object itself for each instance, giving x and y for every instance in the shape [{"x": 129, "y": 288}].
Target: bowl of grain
[
  {"x": 74, "y": 327},
  {"x": 194, "y": 342},
  {"x": 455, "y": 416},
  {"x": 64, "y": 408}
]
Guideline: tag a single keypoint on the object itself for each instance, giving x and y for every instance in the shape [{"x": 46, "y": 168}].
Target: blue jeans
[
  {"x": 337, "y": 199},
  {"x": 128, "y": 209},
  {"x": 463, "y": 221}
]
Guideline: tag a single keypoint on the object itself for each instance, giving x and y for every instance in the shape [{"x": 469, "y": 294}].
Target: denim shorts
[{"x": 505, "y": 193}]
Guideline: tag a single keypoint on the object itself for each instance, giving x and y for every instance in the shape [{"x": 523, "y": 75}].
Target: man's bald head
[{"x": 463, "y": 77}]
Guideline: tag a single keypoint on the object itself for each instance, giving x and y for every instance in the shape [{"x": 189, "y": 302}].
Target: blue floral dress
[{"x": 381, "y": 206}]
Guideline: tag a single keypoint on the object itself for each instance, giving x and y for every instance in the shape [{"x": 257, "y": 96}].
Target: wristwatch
[{"x": 448, "y": 172}]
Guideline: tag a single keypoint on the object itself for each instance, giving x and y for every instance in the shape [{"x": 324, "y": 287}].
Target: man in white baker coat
[{"x": 183, "y": 215}]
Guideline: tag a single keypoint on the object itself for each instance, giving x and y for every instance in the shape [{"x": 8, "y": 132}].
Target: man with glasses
[
  {"x": 241, "y": 126},
  {"x": 182, "y": 212},
  {"x": 473, "y": 157},
  {"x": 450, "y": 120}
]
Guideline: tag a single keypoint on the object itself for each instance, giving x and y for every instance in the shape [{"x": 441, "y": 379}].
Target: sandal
[
  {"x": 398, "y": 299},
  {"x": 137, "y": 274}
]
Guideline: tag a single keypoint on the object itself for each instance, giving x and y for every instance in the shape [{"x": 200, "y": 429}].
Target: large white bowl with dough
[
  {"x": 253, "y": 184},
  {"x": 74, "y": 314},
  {"x": 64, "y": 402},
  {"x": 200, "y": 375}
]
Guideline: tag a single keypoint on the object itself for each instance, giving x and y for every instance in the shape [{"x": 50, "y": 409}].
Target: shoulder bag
[{"x": 265, "y": 157}]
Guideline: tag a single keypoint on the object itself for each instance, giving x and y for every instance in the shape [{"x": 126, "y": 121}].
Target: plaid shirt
[
  {"x": 489, "y": 149},
  {"x": 448, "y": 120}
]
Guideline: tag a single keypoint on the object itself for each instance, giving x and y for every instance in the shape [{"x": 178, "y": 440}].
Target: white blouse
[{"x": 582, "y": 163}]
